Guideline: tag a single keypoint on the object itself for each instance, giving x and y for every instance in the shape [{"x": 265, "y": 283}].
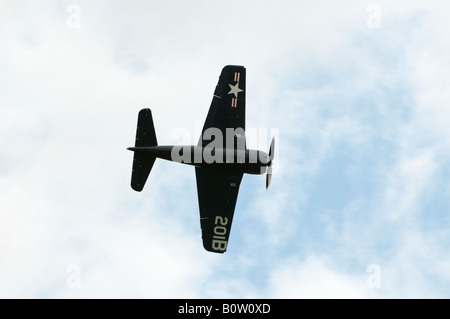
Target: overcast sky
[{"x": 356, "y": 93}]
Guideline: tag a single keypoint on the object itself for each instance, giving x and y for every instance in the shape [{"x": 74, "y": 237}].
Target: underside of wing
[
  {"x": 227, "y": 108},
  {"x": 217, "y": 195}
]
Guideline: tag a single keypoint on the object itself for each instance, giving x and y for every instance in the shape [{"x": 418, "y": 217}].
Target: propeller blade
[
  {"x": 268, "y": 178},
  {"x": 272, "y": 149},
  {"x": 269, "y": 168}
]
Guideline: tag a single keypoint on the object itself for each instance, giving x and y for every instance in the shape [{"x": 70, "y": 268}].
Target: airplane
[{"x": 220, "y": 158}]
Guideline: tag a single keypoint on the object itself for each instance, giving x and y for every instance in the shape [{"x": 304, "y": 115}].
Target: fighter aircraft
[{"x": 220, "y": 158}]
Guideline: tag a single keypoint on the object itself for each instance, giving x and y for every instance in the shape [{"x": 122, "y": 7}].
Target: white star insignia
[{"x": 234, "y": 89}]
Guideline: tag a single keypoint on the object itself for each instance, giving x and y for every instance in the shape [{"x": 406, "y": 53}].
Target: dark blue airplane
[{"x": 220, "y": 158}]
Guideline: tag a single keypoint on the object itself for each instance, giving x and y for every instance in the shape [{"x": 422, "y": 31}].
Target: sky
[{"x": 355, "y": 92}]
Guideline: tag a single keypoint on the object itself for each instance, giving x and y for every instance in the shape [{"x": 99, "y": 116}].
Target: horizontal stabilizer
[
  {"x": 145, "y": 132},
  {"x": 143, "y": 162}
]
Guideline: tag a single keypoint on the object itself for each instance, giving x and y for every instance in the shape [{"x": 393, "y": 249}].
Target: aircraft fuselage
[{"x": 246, "y": 161}]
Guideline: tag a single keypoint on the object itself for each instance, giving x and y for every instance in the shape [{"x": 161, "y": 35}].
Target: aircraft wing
[
  {"x": 227, "y": 108},
  {"x": 217, "y": 195}
]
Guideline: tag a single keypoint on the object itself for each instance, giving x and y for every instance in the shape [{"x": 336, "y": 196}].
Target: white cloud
[
  {"x": 407, "y": 182},
  {"x": 315, "y": 278}
]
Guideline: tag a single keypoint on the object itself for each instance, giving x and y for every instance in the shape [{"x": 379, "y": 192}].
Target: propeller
[{"x": 269, "y": 166}]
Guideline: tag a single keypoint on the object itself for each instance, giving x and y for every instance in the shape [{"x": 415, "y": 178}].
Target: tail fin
[{"x": 143, "y": 162}]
